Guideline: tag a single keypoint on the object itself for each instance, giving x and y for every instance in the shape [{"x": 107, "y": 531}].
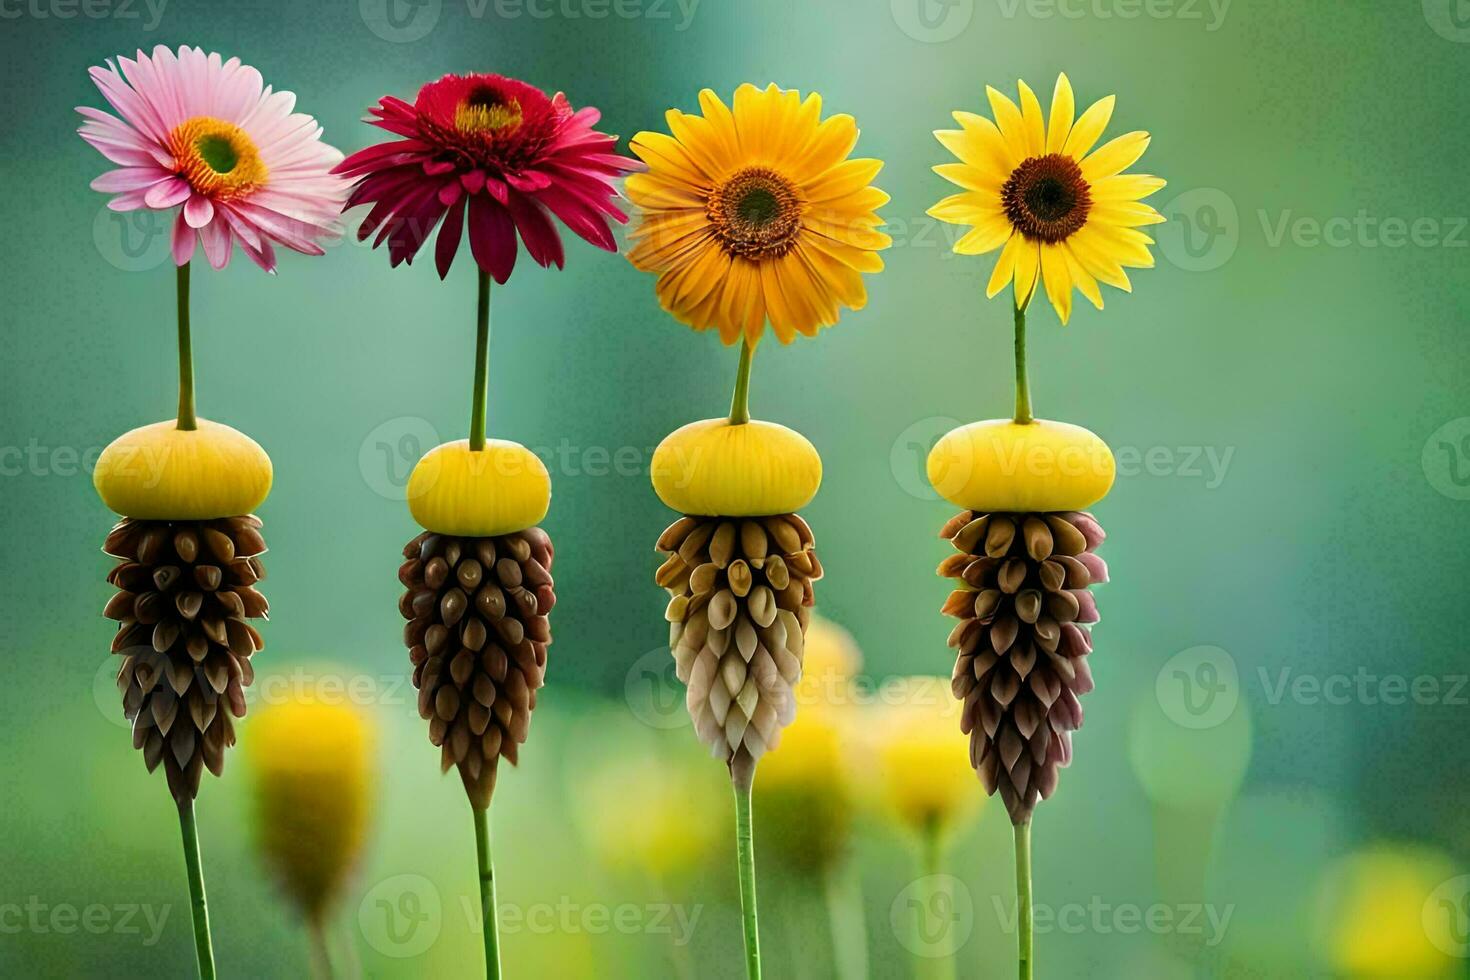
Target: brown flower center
[
  {"x": 756, "y": 213},
  {"x": 1046, "y": 198}
]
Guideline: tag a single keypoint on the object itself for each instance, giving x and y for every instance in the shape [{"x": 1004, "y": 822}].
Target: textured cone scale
[
  {"x": 741, "y": 596},
  {"x": 477, "y": 634},
  {"x": 185, "y": 592},
  {"x": 1024, "y": 609}
]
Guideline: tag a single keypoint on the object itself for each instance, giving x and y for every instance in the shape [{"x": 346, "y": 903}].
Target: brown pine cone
[
  {"x": 185, "y": 591},
  {"x": 1023, "y": 641},
  {"x": 741, "y": 592},
  {"x": 477, "y": 634}
]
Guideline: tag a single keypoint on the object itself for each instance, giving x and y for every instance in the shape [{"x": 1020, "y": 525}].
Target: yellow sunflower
[
  {"x": 1065, "y": 213},
  {"x": 754, "y": 213}
]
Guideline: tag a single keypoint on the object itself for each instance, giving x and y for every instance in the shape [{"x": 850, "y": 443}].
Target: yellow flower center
[
  {"x": 217, "y": 158},
  {"x": 756, "y": 213},
  {"x": 1046, "y": 198},
  {"x": 484, "y": 112}
]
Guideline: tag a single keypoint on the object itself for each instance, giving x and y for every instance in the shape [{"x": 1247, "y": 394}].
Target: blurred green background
[{"x": 1271, "y": 782}]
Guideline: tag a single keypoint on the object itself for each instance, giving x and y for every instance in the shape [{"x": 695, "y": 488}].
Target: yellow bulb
[
  {"x": 498, "y": 490},
  {"x": 312, "y": 775},
  {"x": 160, "y": 472},
  {"x": 1000, "y": 465},
  {"x": 921, "y": 774},
  {"x": 714, "y": 469}
]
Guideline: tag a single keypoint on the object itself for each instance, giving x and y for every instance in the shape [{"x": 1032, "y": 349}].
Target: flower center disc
[
  {"x": 756, "y": 214},
  {"x": 217, "y": 158},
  {"x": 485, "y": 111},
  {"x": 1046, "y": 198}
]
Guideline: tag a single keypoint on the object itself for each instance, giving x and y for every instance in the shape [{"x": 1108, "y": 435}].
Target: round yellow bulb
[
  {"x": 160, "y": 472},
  {"x": 712, "y": 468},
  {"x": 1002, "y": 465},
  {"x": 500, "y": 489}
]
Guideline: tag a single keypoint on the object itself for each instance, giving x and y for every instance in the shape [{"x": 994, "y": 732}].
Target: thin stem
[
  {"x": 482, "y": 365},
  {"x": 321, "y": 956},
  {"x": 1023, "y": 386},
  {"x": 745, "y": 858},
  {"x": 845, "y": 918},
  {"x": 1023, "y": 899},
  {"x": 931, "y": 867},
  {"x": 740, "y": 403},
  {"x": 488, "y": 909},
  {"x": 203, "y": 949},
  {"x": 186, "y": 420}
]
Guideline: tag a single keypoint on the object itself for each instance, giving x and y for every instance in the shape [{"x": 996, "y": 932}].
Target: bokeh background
[{"x": 1271, "y": 782}]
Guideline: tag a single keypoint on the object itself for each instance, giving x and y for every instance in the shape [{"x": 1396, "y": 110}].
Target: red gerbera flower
[{"x": 492, "y": 152}]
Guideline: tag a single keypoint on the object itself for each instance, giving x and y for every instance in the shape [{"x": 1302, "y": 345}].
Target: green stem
[
  {"x": 740, "y": 403},
  {"x": 1023, "y": 386},
  {"x": 321, "y": 956},
  {"x": 488, "y": 909},
  {"x": 931, "y": 867},
  {"x": 186, "y": 420},
  {"x": 742, "y": 775},
  {"x": 845, "y": 918},
  {"x": 203, "y": 949},
  {"x": 1023, "y": 899},
  {"x": 482, "y": 365}
]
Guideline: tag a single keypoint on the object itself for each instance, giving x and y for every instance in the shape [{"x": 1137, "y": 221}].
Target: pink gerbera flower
[
  {"x": 498, "y": 151},
  {"x": 208, "y": 134}
]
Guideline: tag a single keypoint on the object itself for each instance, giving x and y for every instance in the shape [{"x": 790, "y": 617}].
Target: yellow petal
[
  {"x": 1126, "y": 246},
  {"x": 1063, "y": 110},
  {"x": 970, "y": 178},
  {"x": 1126, "y": 187},
  {"x": 696, "y": 137},
  {"x": 1057, "y": 280},
  {"x": 996, "y": 152},
  {"x": 1005, "y": 266},
  {"x": 846, "y": 178},
  {"x": 966, "y": 208},
  {"x": 852, "y": 256},
  {"x": 987, "y": 236},
  {"x": 722, "y": 123},
  {"x": 830, "y": 144},
  {"x": 1124, "y": 214},
  {"x": 1028, "y": 267},
  {"x": 1084, "y": 282},
  {"x": 1114, "y": 156},
  {"x": 1091, "y": 253},
  {"x": 667, "y": 158},
  {"x": 1089, "y": 128},
  {"x": 750, "y": 121},
  {"x": 1031, "y": 121},
  {"x": 652, "y": 191},
  {"x": 1008, "y": 119}
]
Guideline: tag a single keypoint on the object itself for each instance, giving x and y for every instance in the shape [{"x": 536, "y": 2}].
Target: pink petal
[
  {"x": 447, "y": 244},
  {"x": 217, "y": 241},
  {"x": 128, "y": 179},
  {"x": 537, "y": 231},
  {"x": 183, "y": 240},
  {"x": 167, "y": 193},
  {"x": 198, "y": 211},
  {"x": 492, "y": 237}
]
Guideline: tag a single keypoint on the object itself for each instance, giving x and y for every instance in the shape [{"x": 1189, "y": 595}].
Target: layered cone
[
  {"x": 477, "y": 635},
  {"x": 1024, "y": 608},
  {"x": 741, "y": 597},
  {"x": 186, "y": 590}
]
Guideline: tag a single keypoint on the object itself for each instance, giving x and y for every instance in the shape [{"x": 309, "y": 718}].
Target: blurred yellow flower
[
  {"x": 921, "y": 769},
  {"x": 655, "y": 813},
  {"x": 804, "y": 789},
  {"x": 1066, "y": 214},
  {"x": 1391, "y": 912},
  {"x": 312, "y": 773}
]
